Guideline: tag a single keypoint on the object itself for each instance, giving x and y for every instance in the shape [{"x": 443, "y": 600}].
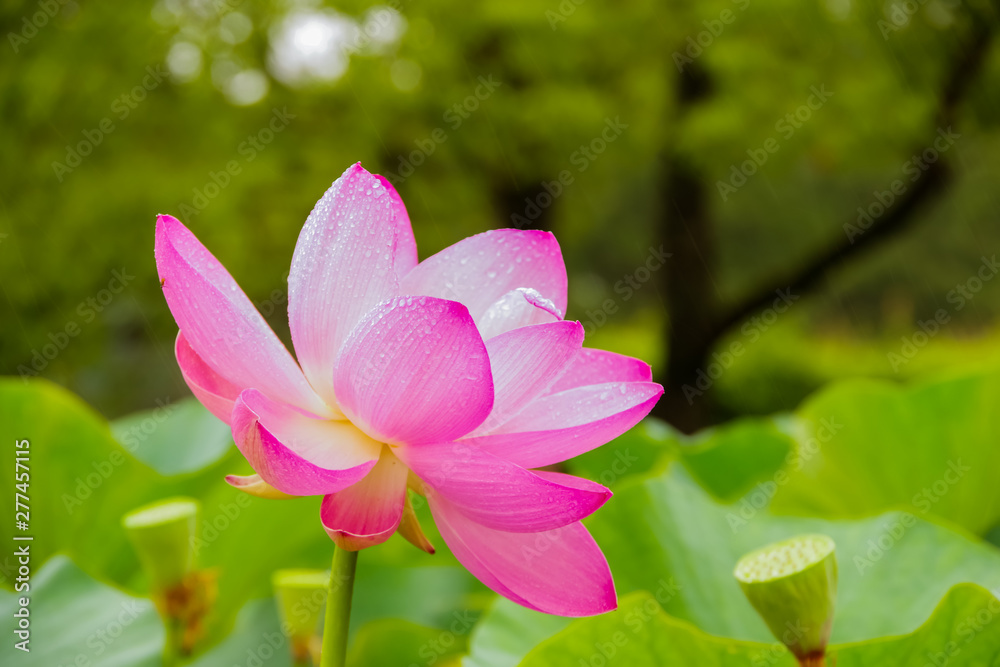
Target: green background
[{"x": 842, "y": 413}]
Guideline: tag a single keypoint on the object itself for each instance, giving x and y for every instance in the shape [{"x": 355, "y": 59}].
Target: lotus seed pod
[
  {"x": 162, "y": 534},
  {"x": 301, "y": 596},
  {"x": 793, "y": 586}
]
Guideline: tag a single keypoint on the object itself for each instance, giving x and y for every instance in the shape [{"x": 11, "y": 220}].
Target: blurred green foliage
[
  {"x": 563, "y": 72},
  {"x": 485, "y": 116}
]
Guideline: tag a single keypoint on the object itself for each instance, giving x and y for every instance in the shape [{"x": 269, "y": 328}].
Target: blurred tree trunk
[
  {"x": 687, "y": 280},
  {"x": 689, "y": 292},
  {"x": 521, "y": 206},
  {"x": 696, "y": 320}
]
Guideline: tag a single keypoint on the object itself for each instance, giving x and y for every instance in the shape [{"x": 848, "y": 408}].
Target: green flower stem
[
  {"x": 171, "y": 643},
  {"x": 338, "y": 609}
]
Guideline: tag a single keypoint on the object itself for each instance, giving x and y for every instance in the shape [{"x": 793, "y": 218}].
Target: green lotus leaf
[
  {"x": 963, "y": 631},
  {"x": 667, "y": 536},
  {"x": 866, "y": 446},
  {"x": 174, "y": 438},
  {"x": 76, "y": 620}
]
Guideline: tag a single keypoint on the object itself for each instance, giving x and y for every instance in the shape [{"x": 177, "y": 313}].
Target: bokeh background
[
  {"x": 759, "y": 197},
  {"x": 557, "y": 74}
]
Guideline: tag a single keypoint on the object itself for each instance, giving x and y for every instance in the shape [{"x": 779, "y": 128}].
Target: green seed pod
[
  {"x": 793, "y": 586},
  {"x": 301, "y": 596},
  {"x": 162, "y": 534}
]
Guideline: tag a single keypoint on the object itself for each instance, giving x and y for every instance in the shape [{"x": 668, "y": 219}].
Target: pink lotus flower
[{"x": 455, "y": 376}]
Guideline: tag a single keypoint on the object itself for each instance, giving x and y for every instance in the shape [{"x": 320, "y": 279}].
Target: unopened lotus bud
[
  {"x": 793, "y": 586},
  {"x": 162, "y": 534}
]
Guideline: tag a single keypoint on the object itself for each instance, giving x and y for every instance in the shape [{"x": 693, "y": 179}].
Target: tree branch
[{"x": 898, "y": 218}]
